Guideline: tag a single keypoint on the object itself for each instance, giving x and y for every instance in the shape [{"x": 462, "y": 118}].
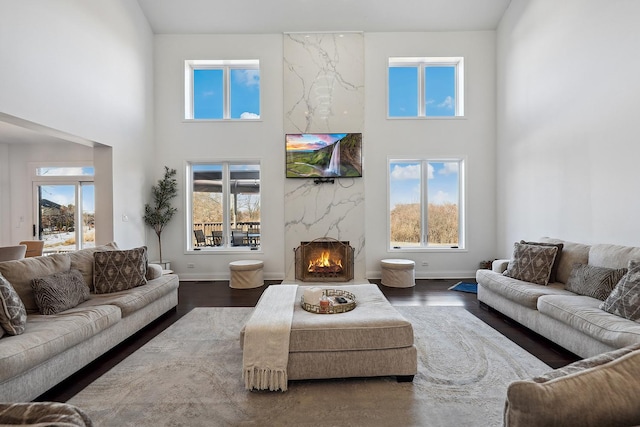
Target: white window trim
[
  {"x": 462, "y": 222},
  {"x": 226, "y": 66},
  {"x": 422, "y": 63},
  {"x": 226, "y": 247}
]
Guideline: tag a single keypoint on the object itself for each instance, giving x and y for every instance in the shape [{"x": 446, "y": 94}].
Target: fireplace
[{"x": 324, "y": 260}]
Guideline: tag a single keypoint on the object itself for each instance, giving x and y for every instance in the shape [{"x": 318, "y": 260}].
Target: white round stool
[
  {"x": 398, "y": 273},
  {"x": 246, "y": 274}
]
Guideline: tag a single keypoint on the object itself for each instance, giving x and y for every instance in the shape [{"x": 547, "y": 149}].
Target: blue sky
[
  {"x": 65, "y": 195},
  {"x": 439, "y": 91},
  {"x": 208, "y": 94},
  {"x": 405, "y": 182}
]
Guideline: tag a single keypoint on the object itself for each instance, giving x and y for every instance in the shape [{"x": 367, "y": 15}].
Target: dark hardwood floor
[{"x": 426, "y": 293}]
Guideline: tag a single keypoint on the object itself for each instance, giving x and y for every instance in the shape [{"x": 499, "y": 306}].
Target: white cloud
[
  {"x": 449, "y": 168},
  {"x": 406, "y": 172},
  {"x": 248, "y": 77},
  {"x": 247, "y": 115},
  {"x": 447, "y": 103},
  {"x": 208, "y": 93}
]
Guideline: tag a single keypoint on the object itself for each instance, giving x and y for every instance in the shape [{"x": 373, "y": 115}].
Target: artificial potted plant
[{"x": 158, "y": 214}]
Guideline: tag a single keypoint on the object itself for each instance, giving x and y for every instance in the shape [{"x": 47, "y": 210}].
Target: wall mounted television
[{"x": 324, "y": 155}]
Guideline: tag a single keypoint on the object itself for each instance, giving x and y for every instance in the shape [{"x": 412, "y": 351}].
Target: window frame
[
  {"x": 226, "y": 66},
  {"x": 76, "y": 180},
  {"x": 422, "y": 63},
  {"x": 226, "y": 246},
  {"x": 424, "y": 197}
]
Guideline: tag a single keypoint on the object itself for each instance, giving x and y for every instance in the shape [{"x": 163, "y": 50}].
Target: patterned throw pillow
[
  {"x": 59, "y": 292},
  {"x": 13, "y": 316},
  {"x": 624, "y": 300},
  {"x": 595, "y": 282},
  {"x": 531, "y": 263},
  {"x": 115, "y": 271},
  {"x": 554, "y": 268}
]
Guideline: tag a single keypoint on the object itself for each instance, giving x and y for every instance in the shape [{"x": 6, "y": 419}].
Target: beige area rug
[{"x": 191, "y": 375}]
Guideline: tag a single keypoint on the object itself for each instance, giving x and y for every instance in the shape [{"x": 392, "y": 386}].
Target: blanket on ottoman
[{"x": 266, "y": 339}]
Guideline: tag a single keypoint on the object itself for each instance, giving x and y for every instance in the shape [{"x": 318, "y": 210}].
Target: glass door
[{"x": 59, "y": 222}]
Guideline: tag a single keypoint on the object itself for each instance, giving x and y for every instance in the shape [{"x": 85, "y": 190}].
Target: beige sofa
[
  {"x": 53, "y": 347},
  {"x": 572, "y": 321}
]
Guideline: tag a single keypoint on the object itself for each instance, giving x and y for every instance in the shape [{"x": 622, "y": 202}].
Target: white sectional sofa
[
  {"x": 573, "y": 321},
  {"x": 52, "y": 347}
]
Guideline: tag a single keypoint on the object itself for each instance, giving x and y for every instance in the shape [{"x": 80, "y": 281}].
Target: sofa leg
[{"x": 404, "y": 378}]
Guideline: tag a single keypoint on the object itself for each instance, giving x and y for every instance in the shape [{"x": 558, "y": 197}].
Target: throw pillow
[
  {"x": 115, "y": 271},
  {"x": 595, "y": 282},
  {"x": 553, "y": 277},
  {"x": 624, "y": 300},
  {"x": 59, "y": 292},
  {"x": 13, "y": 316},
  {"x": 531, "y": 263}
]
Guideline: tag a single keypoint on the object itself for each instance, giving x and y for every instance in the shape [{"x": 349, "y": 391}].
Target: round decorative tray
[{"x": 334, "y": 306}]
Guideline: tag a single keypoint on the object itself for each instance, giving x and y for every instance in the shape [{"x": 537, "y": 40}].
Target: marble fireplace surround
[{"x": 324, "y": 93}]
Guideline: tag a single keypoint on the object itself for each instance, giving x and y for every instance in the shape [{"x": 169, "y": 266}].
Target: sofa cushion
[
  {"x": 136, "y": 298},
  {"x": 583, "y": 314},
  {"x": 13, "y": 316},
  {"x": 531, "y": 263},
  {"x": 118, "y": 270},
  {"x": 60, "y": 291},
  {"x": 601, "y": 395},
  {"x": 596, "y": 282},
  {"x": 518, "y": 291},
  {"x": 613, "y": 256},
  {"x": 20, "y": 274},
  {"x": 554, "y": 268},
  {"x": 46, "y": 336},
  {"x": 82, "y": 260},
  {"x": 572, "y": 253},
  {"x": 624, "y": 300}
]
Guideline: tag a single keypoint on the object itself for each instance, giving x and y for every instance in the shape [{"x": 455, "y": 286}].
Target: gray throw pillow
[
  {"x": 531, "y": 263},
  {"x": 624, "y": 300},
  {"x": 595, "y": 282},
  {"x": 115, "y": 271},
  {"x": 13, "y": 316},
  {"x": 59, "y": 292},
  {"x": 556, "y": 262}
]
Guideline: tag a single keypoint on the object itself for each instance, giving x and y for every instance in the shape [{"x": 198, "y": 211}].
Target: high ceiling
[{"x": 280, "y": 16}]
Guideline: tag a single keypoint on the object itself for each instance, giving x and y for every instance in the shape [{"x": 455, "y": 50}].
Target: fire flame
[{"x": 324, "y": 262}]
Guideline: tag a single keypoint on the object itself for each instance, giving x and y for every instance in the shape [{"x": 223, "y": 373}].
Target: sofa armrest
[
  {"x": 597, "y": 391},
  {"x": 153, "y": 271},
  {"x": 43, "y": 413},
  {"x": 499, "y": 265}
]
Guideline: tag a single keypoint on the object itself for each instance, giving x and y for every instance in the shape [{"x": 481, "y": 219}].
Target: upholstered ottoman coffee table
[{"x": 369, "y": 341}]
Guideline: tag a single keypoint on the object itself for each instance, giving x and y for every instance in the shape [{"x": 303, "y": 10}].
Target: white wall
[
  {"x": 21, "y": 194},
  {"x": 5, "y": 196},
  {"x": 85, "y": 68},
  {"x": 471, "y": 138},
  {"x": 179, "y": 141},
  {"x": 568, "y": 122}
]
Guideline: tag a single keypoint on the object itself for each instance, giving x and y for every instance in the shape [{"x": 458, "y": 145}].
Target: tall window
[
  {"x": 65, "y": 207},
  {"x": 426, "y": 87},
  {"x": 222, "y": 90},
  {"x": 224, "y": 205},
  {"x": 425, "y": 203}
]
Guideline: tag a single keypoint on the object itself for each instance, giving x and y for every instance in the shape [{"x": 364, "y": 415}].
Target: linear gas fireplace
[{"x": 324, "y": 260}]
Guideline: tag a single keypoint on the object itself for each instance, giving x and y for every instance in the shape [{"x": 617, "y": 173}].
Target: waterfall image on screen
[{"x": 312, "y": 155}]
